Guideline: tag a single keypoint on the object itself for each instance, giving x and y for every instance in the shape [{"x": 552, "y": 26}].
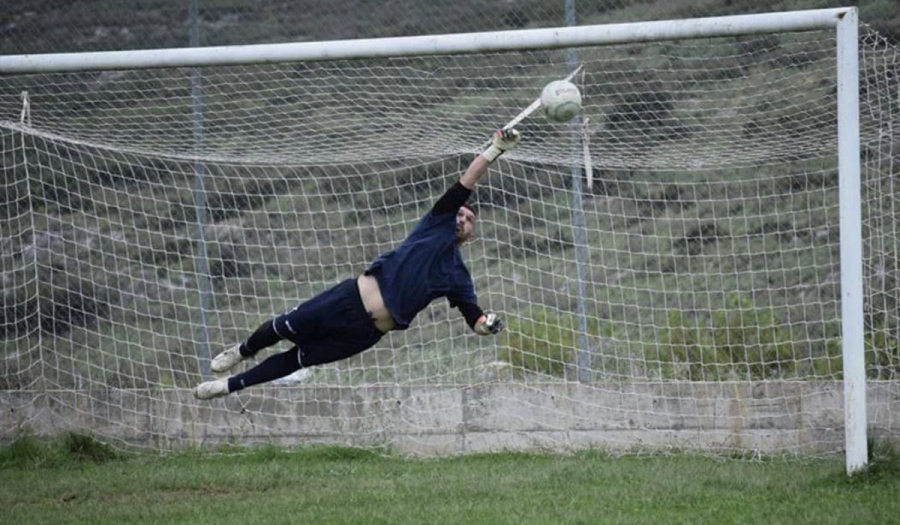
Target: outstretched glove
[
  {"x": 502, "y": 140},
  {"x": 488, "y": 324}
]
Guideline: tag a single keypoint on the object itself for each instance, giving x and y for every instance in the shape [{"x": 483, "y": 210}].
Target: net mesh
[
  {"x": 678, "y": 106},
  {"x": 690, "y": 297}
]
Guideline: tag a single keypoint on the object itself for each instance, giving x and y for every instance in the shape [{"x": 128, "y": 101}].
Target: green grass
[{"x": 336, "y": 485}]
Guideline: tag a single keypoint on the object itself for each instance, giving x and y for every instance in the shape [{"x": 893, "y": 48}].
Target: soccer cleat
[
  {"x": 212, "y": 389},
  {"x": 227, "y": 360}
]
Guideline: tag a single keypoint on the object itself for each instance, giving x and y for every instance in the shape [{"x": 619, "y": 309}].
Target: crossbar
[{"x": 561, "y": 37}]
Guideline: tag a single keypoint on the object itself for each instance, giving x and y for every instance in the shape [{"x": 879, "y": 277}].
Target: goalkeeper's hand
[
  {"x": 502, "y": 140},
  {"x": 488, "y": 324}
]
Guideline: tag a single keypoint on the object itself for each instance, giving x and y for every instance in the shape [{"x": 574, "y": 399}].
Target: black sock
[
  {"x": 277, "y": 366},
  {"x": 264, "y": 337}
]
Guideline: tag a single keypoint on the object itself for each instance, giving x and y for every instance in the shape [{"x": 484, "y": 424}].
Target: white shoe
[
  {"x": 212, "y": 389},
  {"x": 227, "y": 360}
]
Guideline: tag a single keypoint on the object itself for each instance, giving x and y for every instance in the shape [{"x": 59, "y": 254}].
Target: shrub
[
  {"x": 545, "y": 342},
  {"x": 85, "y": 448},
  {"x": 882, "y": 352},
  {"x": 739, "y": 341},
  {"x": 71, "y": 448}
]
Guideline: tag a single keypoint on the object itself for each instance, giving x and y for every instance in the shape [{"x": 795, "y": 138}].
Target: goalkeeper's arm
[
  {"x": 501, "y": 141},
  {"x": 457, "y": 195},
  {"x": 480, "y": 322}
]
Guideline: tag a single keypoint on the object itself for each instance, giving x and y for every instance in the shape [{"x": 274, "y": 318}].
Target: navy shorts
[{"x": 331, "y": 326}]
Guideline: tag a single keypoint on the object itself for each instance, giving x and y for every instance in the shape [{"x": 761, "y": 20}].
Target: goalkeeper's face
[{"x": 465, "y": 224}]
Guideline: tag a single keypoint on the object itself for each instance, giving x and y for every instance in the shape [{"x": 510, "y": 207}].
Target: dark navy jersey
[{"x": 426, "y": 266}]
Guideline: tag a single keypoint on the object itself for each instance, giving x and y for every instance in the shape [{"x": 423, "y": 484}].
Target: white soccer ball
[{"x": 561, "y": 100}]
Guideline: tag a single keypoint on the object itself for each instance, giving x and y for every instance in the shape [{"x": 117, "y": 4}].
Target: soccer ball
[{"x": 561, "y": 100}]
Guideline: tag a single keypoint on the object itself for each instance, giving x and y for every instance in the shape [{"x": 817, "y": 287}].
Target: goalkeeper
[{"x": 355, "y": 314}]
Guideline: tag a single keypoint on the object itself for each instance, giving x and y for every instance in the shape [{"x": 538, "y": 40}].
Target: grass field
[{"x": 77, "y": 480}]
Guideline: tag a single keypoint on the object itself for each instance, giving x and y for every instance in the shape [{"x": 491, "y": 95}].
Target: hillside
[{"x": 710, "y": 235}]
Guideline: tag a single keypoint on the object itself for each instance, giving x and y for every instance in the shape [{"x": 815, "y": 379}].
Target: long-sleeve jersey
[{"x": 428, "y": 265}]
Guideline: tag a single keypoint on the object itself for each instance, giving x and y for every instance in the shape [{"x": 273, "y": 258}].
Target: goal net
[{"x": 687, "y": 297}]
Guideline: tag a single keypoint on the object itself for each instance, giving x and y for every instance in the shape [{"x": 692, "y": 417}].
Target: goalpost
[{"x": 721, "y": 294}]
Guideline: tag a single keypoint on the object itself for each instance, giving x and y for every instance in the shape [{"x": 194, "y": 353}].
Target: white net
[{"x": 690, "y": 298}]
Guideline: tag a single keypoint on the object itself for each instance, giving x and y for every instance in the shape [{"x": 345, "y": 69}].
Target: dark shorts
[{"x": 331, "y": 326}]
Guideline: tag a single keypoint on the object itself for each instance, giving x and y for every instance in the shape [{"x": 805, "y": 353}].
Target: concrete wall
[{"x": 765, "y": 417}]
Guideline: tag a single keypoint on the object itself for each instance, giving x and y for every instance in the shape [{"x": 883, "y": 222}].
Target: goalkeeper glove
[
  {"x": 502, "y": 140},
  {"x": 488, "y": 324}
]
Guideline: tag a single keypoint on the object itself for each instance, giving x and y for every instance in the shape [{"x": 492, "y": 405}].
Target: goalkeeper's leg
[
  {"x": 302, "y": 323},
  {"x": 332, "y": 326},
  {"x": 274, "y": 367},
  {"x": 340, "y": 346},
  {"x": 350, "y": 340},
  {"x": 264, "y": 337}
]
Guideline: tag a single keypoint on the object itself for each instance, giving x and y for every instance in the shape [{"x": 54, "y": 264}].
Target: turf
[{"x": 330, "y": 485}]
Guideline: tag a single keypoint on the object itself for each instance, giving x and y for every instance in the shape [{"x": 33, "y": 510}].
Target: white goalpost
[
  {"x": 718, "y": 285},
  {"x": 851, "y": 243}
]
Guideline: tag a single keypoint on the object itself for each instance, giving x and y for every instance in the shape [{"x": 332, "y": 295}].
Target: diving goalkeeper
[{"x": 354, "y": 315}]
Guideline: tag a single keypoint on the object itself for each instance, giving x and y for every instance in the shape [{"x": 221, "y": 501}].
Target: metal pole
[
  {"x": 852, "y": 327},
  {"x": 579, "y": 232},
  {"x": 553, "y": 38},
  {"x": 201, "y": 262}
]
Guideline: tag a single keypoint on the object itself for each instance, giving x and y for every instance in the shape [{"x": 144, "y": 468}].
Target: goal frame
[{"x": 843, "y": 20}]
